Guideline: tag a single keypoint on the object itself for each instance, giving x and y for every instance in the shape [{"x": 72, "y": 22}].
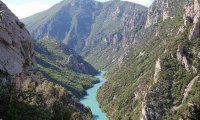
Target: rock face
[
  {"x": 149, "y": 114},
  {"x": 182, "y": 57},
  {"x": 192, "y": 11},
  {"x": 143, "y": 114},
  {"x": 192, "y": 15},
  {"x": 158, "y": 68},
  {"x": 157, "y": 12},
  {"x": 16, "y": 56},
  {"x": 198, "y": 55},
  {"x": 112, "y": 39},
  {"x": 77, "y": 64},
  {"x": 194, "y": 32}
]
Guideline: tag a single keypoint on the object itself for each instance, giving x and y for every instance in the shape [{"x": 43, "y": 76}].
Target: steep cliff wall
[
  {"x": 161, "y": 68},
  {"x": 157, "y": 12},
  {"x": 17, "y": 55},
  {"x": 192, "y": 15}
]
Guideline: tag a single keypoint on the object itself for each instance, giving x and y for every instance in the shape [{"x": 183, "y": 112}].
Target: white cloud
[{"x": 28, "y": 8}]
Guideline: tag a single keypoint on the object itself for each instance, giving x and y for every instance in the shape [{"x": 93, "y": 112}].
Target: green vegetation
[
  {"x": 44, "y": 101},
  {"x": 52, "y": 57},
  {"x": 122, "y": 96},
  {"x": 169, "y": 90}
]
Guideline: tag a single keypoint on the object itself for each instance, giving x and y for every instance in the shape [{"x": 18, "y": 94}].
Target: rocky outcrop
[
  {"x": 198, "y": 55},
  {"x": 195, "y": 31},
  {"x": 192, "y": 15},
  {"x": 112, "y": 39},
  {"x": 158, "y": 68},
  {"x": 148, "y": 112},
  {"x": 192, "y": 12},
  {"x": 16, "y": 53},
  {"x": 189, "y": 88},
  {"x": 77, "y": 64},
  {"x": 181, "y": 56},
  {"x": 143, "y": 116},
  {"x": 121, "y": 60},
  {"x": 157, "y": 12}
]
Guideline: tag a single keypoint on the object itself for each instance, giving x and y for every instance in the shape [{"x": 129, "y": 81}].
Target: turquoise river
[{"x": 90, "y": 99}]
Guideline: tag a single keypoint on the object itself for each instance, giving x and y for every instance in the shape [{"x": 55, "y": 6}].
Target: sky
[{"x": 25, "y": 8}]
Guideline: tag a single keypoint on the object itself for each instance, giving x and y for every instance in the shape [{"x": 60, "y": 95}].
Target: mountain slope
[
  {"x": 159, "y": 67},
  {"x": 63, "y": 66},
  {"x": 92, "y": 29},
  {"x": 152, "y": 55},
  {"x": 24, "y": 91}
]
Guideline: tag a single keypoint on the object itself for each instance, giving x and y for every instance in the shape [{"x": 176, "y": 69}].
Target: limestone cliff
[
  {"x": 157, "y": 12},
  {"x": 16, "y": 53},
  {"x": 158, "y": 68},
  {"x": 192, "y": 15}
]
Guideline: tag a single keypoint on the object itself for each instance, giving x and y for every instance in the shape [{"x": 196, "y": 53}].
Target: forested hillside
[
  {"x": 63, "y": 66},
  {"x": 160, "y": 76}
]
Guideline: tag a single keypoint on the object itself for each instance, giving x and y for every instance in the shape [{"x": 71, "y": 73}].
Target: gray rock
[
  {"x": 194, "y": 32},
  {"x": 198, "y": 55},
  {"x": 154, "y": 16},
  {"x": 192, "y": 15},
  {"x": 183, "y": 58},
  {"x": 158, "y": 68},
  {"x": 16, "y": 54}
]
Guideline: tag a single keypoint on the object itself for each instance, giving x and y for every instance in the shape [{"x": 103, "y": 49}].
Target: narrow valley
[{"x": 100, "y": 60}]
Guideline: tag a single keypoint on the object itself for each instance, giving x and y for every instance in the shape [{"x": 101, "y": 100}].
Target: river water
[{"x": 90, "y": 99}]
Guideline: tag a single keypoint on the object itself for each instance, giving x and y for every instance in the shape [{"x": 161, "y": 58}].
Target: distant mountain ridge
[{"x": 90, "y": 27}]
